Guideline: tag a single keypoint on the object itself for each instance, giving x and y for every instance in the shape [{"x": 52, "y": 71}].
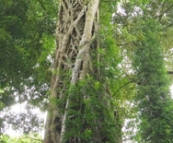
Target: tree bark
[{"x": 74, "y": 35}]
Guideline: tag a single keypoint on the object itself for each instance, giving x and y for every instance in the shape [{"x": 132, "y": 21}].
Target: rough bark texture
[{"x": 75, "y": 30}]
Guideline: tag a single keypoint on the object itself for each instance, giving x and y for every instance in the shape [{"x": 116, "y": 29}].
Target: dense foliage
[
  {"x": 26, "y": 41},
  {"x": 135, "y": 53},
  {"x": 153, "y": 96},
  {"x": 22, "y": 139}
]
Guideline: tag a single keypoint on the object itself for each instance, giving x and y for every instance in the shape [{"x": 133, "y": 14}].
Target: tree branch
[{"x": 170, "y": 72}]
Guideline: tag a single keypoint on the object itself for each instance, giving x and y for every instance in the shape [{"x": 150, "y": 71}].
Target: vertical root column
[
  {"x": 72, "y": 55},
  {"x": 68, "y": 39},
  {"x": 81, "y": 65}
]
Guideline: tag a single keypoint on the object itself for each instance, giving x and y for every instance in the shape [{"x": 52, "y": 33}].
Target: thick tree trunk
[{"x": 74, "y": 35}]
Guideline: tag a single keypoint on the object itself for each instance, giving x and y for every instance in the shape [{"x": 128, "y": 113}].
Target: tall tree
[
  {"x": 153, "y": 95},
  {"x": 76, "y": 110},
  {"x": 144, "y": 44}
]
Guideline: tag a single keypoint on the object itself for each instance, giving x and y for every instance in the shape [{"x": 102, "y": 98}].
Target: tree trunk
[{"x": 75, "y": 32}]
